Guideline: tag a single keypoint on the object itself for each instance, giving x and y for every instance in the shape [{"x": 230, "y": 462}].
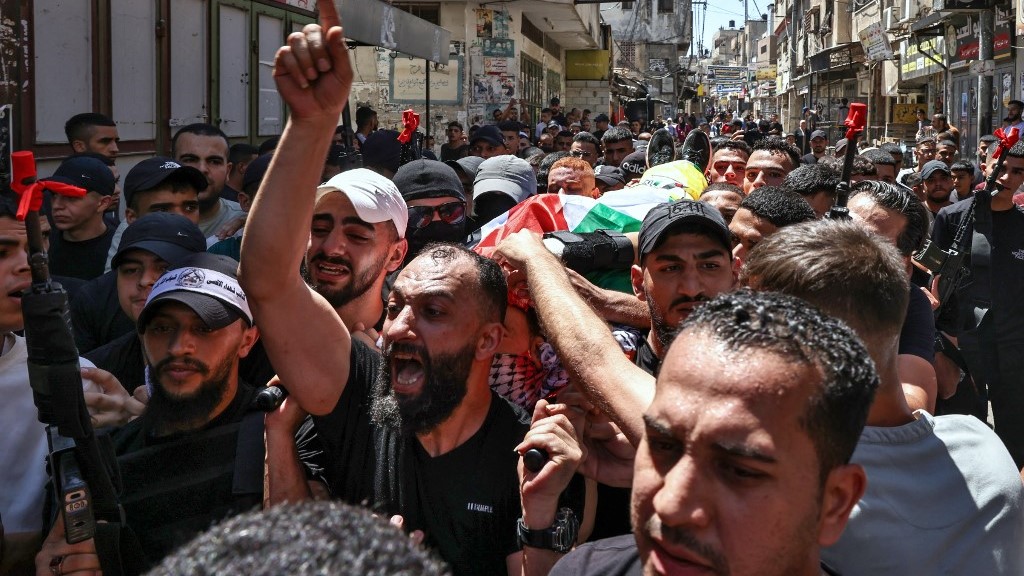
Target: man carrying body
[
  {"x": 426, "y": 439},
  {"x": 184, "y": 449},
  {"x": 205, "y": 148},
  {"x": 743, "y": 467},
  {"x": 966, "y": 515}
]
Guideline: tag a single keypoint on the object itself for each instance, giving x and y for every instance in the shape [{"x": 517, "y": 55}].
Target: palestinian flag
[{"x": 619, "y": 210}]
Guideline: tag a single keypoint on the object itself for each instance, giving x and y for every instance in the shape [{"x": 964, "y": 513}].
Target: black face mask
[{"x": 436, "y": 231}]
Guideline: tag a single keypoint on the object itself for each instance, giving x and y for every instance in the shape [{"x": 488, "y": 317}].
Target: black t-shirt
[
  {"x": 646, "y": 359},
  {"x": 122, "y": 357},
  {"x": 1007, "y": 268},
  {"x": 176, "y": 487},
  {"x": 466, "y": 501},
  {"x": 96, "y": 315},
  {"x": 449, "y": 153},
  {"x": 917, "y": 336},
  {"x": 85, "y": 259},
  {"x": 809, "y": 159}
]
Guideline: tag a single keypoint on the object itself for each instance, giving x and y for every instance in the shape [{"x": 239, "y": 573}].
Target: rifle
[
  {"x": 83, "y": 481},
  {"x": 855, "y": 121},
  {"x": 948, "y": 264}
]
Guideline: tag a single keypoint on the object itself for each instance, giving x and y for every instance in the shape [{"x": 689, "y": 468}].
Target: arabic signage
[
  {"x": 727, "y": 79},
  {"x": 967, "y": 36},
  {"x": 876, "y": 42},
  {"x": 915, "y": 63}
]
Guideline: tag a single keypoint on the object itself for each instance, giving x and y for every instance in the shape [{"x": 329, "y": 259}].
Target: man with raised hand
[{"x": 415, "y": 432}]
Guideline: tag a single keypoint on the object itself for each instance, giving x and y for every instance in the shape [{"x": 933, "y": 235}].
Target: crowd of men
[{"x": 781, "y": 393}]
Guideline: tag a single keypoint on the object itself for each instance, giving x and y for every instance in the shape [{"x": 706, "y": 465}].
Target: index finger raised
[{"x": 328, "y": 14}]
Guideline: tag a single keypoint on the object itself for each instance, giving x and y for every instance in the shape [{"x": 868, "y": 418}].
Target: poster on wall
[
  {"x": 408, "y": 81},
  {"x": 493, "y": 88},
  {"x": 1007, "y": 88},
  {"x": 498, "y": 65},
  {"x": 500, "y": 24},
  {"x": 476, "y": 114},
  {"x": 496, "y": 47},
  {"x": 484, "y": 23}
]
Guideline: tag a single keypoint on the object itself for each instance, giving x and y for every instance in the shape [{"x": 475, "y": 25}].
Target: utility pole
[{"x": 985, "y": 44}]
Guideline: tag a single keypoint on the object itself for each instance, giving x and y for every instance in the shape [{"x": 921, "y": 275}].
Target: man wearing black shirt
[
  {"x": 427, "y": 440},
  {"x": 455, "y": 147},
  {"x": 79, "y": 248},
  {"x": 989, "y": 306},
  {"x": 182, "y": 462}
]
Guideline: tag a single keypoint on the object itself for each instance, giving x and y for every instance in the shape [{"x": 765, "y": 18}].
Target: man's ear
[
  {"x": 636, "y": 278},
  {"x": 105, "y": 202},
  {"x": 78, "y": 146},
  {"x": 244, "y": 202},
  {"x": 397, "y": 254},
  {"x": 129, "y": 215},
  {"x": 249, "y": 338},
  {"x": 737, "y": 265},
  {"x": 489, "y": 340},
  {"x": 843, "y": 489}
]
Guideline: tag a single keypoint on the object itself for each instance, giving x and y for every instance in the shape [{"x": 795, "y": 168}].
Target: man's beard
[
  {"x": 444, "y": 386},
  {"x": 175, "y": 412},
  {"x": 665, "y": 331},
  {"x": 357, "y": 285}
]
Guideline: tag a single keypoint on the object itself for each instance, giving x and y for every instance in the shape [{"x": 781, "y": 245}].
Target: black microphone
[
  {"x": 270, "y": 398},
  {"x": 534, "y": 459}
]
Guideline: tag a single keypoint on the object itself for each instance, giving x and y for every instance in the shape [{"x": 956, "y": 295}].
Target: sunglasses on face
[
  {"x": 579, "y": 154},
  {"x": 449, "y": 213}
]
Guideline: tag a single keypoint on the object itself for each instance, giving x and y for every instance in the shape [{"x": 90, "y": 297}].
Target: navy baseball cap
[
  {"x": 665, "y": 218},
  {"x": 172, "y": 237},
  {"x": 206, "y": 283},
  {"x": 154, "y": 171},
  {"x": 85, "y": 172},
  {"x": 381, "y": 149},
  {"x": 256, "y": 169}
]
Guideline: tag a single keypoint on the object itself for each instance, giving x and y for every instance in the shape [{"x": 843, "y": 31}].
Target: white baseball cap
[{"x": 375, "y": 198}]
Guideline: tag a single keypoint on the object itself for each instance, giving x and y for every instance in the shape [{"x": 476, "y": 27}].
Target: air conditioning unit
[
  {"x": 909, "y": 12},
  {"x": 891, "y": 17}
]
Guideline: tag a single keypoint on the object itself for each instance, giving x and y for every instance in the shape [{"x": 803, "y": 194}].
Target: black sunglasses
[{"x": 449, "y": 213}]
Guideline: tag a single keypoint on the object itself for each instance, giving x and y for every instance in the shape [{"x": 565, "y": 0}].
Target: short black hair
[
  {"x": 911, "y": 179},
  {"x": 588, "y": 138},
  {"x": 891, "y": 148},
  {"x": 302, "y": 539},
  {"x": 510, "y": 126},
  {"x": 241, "y": 152},
  {"x": 879, "y": 156},
  {"x": 616, "y": 134},
  {"x": 79, "y": 126},
  {"x": 809, "y": 179},
  {"x": 723, "y": 186},
  {"x": 745, "y": 321},
  {"x": 962, "y": 166},
  {"x": 363, "y": 115},
  {"x": 988, "y": 138},
  {"x": 778, "y": 205},
  {"x": 948, "y": 143},
  {"x": 564, "y": 134},
  {"x": 455, "y": 124},
  {"x": 199, "y": 129},
  {"x": 776, "y": 145},
  {"x": 493, "y": 291},
  {"x": 924, "y": 140},
  {"x": 900, "y": 199},
  {"x": 269, "y": 145},
  {"x": 722, "y": 142},
  {"x": 1017, "y": 151},
  {"x": 863, "y": 167}
]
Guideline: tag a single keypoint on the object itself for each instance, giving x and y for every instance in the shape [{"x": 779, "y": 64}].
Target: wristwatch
[{"x": 560, "y": 537}]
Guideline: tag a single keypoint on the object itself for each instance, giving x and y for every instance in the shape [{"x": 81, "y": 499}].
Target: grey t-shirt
[
  {"x": 228, "y": 211},
  {"x": 943, "y": 497}
]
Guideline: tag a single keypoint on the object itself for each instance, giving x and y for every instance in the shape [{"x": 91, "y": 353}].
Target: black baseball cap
[
  {"x": 172, "y": 237},
  {"x": 428, "y": 179},
  {"x": 931, "y": 167},
  {"x": 85, "y": 172},
  {"x": 491, "y": 134},
  {"x": 206, "y": 283},
  {"x": 666, "y": 218},
  {"x": 154, "y": 171},
  {"x": 256, "y": 169},
  {"x": 819, "y": 134},
  {"x": 634, "y": 165},
  {"x": 610, "y": 175}
]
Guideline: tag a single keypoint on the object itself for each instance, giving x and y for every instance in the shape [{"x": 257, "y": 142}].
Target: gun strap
[{"x": 119, "y": 550}]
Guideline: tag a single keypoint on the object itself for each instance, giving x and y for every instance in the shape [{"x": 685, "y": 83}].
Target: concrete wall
[{"x": 587, "y": 94}]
